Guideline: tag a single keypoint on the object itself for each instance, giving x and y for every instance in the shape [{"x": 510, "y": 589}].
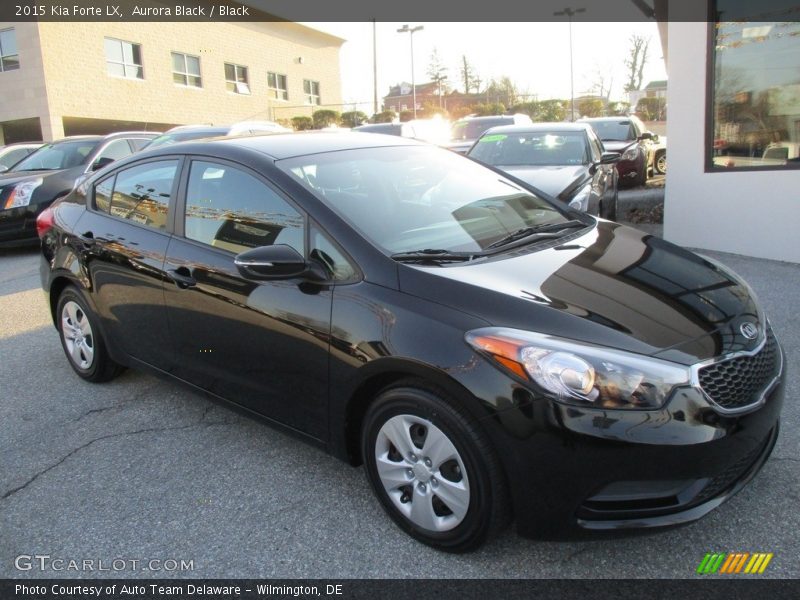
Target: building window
[
  {"x": 236, "y": 79},
  {"x": 755, "y": 103},
  {"x": 186, "y": 70},
  {"x": 277, "y": 86},
  {"x": 124, "y": 59},
  {"x": 311, "y": 90},
  {"x": 9, "y": 57}
]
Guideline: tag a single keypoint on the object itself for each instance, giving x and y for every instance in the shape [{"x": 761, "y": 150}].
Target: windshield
[
  {"x": 613, "y": 131},
  {"x": 183, "y": 136},
  {"x": 61, "y": 155},
  {"x": 532, "y": 149},
  {"x": 405, "y": 199},
  {"x": 472, "y": 129}
]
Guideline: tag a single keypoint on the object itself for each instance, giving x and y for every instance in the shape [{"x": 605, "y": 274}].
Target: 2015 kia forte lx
[{"x": 487, "y": 353}]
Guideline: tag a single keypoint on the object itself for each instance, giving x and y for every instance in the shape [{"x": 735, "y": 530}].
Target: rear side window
[
  {"x": 230, "y": 209},
  {"x": 102, "y": 194},
  {"x": 141, "y": 194}
]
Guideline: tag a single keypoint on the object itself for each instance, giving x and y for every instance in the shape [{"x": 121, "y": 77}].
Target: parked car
[
  {"x": 401, "y": 129},
  {"x": 465, "y": 131},
  {"x": 435, "y": 131},
  {"x": 184, "y": 133},
  {"x": 484, "y": 351},
  {"x": 564, "y": 160},
  {"x": 51, "y": 172},
  {"x": 629, "y": 137},
  {"x": 659, "y": 150},
  {"x": 13, "y": 153}
]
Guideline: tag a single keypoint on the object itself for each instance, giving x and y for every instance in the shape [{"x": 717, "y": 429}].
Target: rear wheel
[
  {"x": 432, "y": 469},
  {"x": 79, "y": 329}
]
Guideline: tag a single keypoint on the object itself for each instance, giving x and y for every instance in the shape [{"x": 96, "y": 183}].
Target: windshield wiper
[
  {"x": 31, "y": 170},
  {"x": 537, "y": 232},
  {"x": 433, "y": 255}
]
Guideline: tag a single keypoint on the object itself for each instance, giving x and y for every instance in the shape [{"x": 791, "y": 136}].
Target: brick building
[{"x": 60, "y": 79}]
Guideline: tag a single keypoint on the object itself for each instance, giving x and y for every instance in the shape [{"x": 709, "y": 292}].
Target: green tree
[
  {"x": 502, "y": 91},
  {"x": 302, "y": 123},
  {"x": 651, "y": 109},
  {"x": 487, "y": 110},
  {"x": 386, "y": 116},
  {"x": 406, "y": 115},
  {"x": 591, "y": 107},
  {"x": 325, "y": 118},
  {"x": 353, "y": 118},
  {"x": 552, "y": 110}
]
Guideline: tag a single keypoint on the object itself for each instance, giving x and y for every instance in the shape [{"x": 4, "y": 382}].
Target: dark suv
[
  {"x": 630, "y": 137},
  {"x": 51, "y": 172}
]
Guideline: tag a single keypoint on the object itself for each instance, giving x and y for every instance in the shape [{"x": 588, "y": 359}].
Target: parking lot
[{"x": 140, "y": 469}]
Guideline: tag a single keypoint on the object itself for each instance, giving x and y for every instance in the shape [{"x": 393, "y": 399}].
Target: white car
[{"x": 13, "y": 153}]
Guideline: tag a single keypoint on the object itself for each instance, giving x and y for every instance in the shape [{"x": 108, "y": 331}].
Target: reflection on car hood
[
  {"x": 20, "y": 176},
  {"x": 614, "y": 286},
  {"x": 550, "y": 179}
]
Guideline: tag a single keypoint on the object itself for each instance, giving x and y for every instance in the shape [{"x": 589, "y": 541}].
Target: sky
[{"x": 534, "y": 55}]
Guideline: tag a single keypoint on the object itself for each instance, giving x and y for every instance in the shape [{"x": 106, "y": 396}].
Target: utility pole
[
  {"x": 569, "y": 12},
  {"x": 374, "y": 69},
  {"x": 411, "y": 31}
]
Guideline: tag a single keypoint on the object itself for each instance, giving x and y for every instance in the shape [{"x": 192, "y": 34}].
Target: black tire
[
  {"x": 660, "y": 163},
  {"x": 84, "y": 347},
  {"x": 475, "y": 469},
  {"x": 608, "y": 208}
]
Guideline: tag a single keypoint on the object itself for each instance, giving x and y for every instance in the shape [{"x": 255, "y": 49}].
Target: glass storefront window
[{"x": 755, "y": 104}]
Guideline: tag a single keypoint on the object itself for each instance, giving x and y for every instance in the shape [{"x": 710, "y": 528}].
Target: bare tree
[
  {"x": 437, "y": 72},
  {"x": 637, "y": 58},
  {"x": 467, "y": 74}
]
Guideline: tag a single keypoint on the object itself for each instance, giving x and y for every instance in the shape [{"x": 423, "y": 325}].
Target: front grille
[
  {"x": 738, "y": 382},
  {"x": 719, "y": 483}
]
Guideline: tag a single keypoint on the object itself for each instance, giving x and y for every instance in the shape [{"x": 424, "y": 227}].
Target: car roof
[
  {"x": 287, "y": 145},
  {"x": 536, "y": 127},
  {"x": 487, "y": 118}
]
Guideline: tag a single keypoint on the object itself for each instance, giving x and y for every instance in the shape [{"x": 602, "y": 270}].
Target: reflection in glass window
[
  {"x": 756, "y": 95},
  {"x": 124, "y": 59},
  {"x": 102, "y": 194},
  {"x": 232, "y": 210},
  {"x": 277, "y": 85},
  {"x": 9, "y": 56},
  {"x": 328, "y": 254},
  {"x": 141, "y": 193},
  {"x": 186, "y": 69},
  {"x": 540, "y": 149}
]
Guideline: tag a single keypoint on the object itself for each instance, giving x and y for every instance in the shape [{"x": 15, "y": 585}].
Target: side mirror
[
  {"x": 276, "y": 262},
  {"x": 101, "y": 162},
  {"x": 609, "y": 158},
  {"x": 646, "y": 136}
]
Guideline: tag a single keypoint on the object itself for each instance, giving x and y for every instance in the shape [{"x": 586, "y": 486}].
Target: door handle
[{"x": 182, "y": 277}]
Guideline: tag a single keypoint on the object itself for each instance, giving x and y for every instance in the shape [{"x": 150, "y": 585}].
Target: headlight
[
  {"x": 631, "y": 153},
  {"x": 580, "y": 201},
  {"x": 580, "y": 374},
  {"x": 22, "y": 193}
]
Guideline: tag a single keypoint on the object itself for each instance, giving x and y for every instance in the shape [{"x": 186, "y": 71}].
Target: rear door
[
  {"x": 126, "y": 233},
  {"x": 261, "y": 344}
]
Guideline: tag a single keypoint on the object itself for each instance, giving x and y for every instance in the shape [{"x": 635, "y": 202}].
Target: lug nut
[
  {"x": 428, "y": 463},
  {"x": 422, "y": 487},
  {"x": 410, "y": 472},
  {"x": 413, "y": 457},
  {"x": 434, "y": 483}
]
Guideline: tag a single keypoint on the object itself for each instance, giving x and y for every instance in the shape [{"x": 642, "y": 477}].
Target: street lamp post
[
  {"x": 410, "y": 31},
  {"x": 569, "y": 12}
]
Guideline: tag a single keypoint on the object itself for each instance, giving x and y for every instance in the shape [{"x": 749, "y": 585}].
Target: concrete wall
[
  {"x": 70, "y": 57},
  {"x": 750, "y": 213}
]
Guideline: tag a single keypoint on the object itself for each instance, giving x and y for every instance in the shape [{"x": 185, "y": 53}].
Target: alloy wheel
[{"x": 78, "y": 335}]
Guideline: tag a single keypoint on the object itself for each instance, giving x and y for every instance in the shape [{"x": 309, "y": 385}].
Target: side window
[
  {"x": 229, "y": 209},
  {"x": 141, "y": 193},
  {"x": 596, "y": 145},
  {"x": 114, "y": 151},
  {"x": 328, "y": 254},
  {"x": 102, "y": 194},
  {"x": 139, "y": 143}
]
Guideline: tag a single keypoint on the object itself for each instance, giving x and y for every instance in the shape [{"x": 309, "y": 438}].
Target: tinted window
[
  {"x": 142, "y": 193},
  {"x": 539, "y": 148},
  {"x": 328, "y": 254},
  {"x": 232, "y": 210},
  {"x": 614, "y": 130},
  {"x": 115, "y": 150},
  {"x": 62, "y": 155},
  {"x": 102, "y": 194}
]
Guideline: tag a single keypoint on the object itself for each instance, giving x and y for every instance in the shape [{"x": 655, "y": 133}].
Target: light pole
[
  {"x": 570, "y": 13},
  {"x": 410, "y": 31}
]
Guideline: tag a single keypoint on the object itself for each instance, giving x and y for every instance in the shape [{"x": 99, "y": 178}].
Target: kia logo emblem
[{"x": 749, "y": 330}]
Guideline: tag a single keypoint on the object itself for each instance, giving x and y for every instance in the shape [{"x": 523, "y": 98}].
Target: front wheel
[
  {"x": 661, "y": 163},
  {"x": 79, "y": 330},
  {"x": 432, "y": 469}
]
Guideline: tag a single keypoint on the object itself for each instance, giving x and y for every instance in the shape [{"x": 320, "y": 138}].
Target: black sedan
[
  {"x": 565, "y": 160},
  {"x": 51, "y": 172},
  {"x": 486, "y": 353}
]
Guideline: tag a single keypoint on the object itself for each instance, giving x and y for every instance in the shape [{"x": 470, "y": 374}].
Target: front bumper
[
  {"x": 572, "y": 469},
  {"x": 18, "y": 225}
]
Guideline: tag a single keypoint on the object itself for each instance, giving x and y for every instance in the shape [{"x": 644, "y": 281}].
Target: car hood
[
  {"x": 617, "y": 146},
  {"x": 20, "y": 176},
  {"x": 552, "y": 180},
  {"x": 613, "y": 286}
]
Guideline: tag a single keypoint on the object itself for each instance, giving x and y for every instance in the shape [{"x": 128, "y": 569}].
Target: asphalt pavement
[{"x": 140, "y": 469}]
